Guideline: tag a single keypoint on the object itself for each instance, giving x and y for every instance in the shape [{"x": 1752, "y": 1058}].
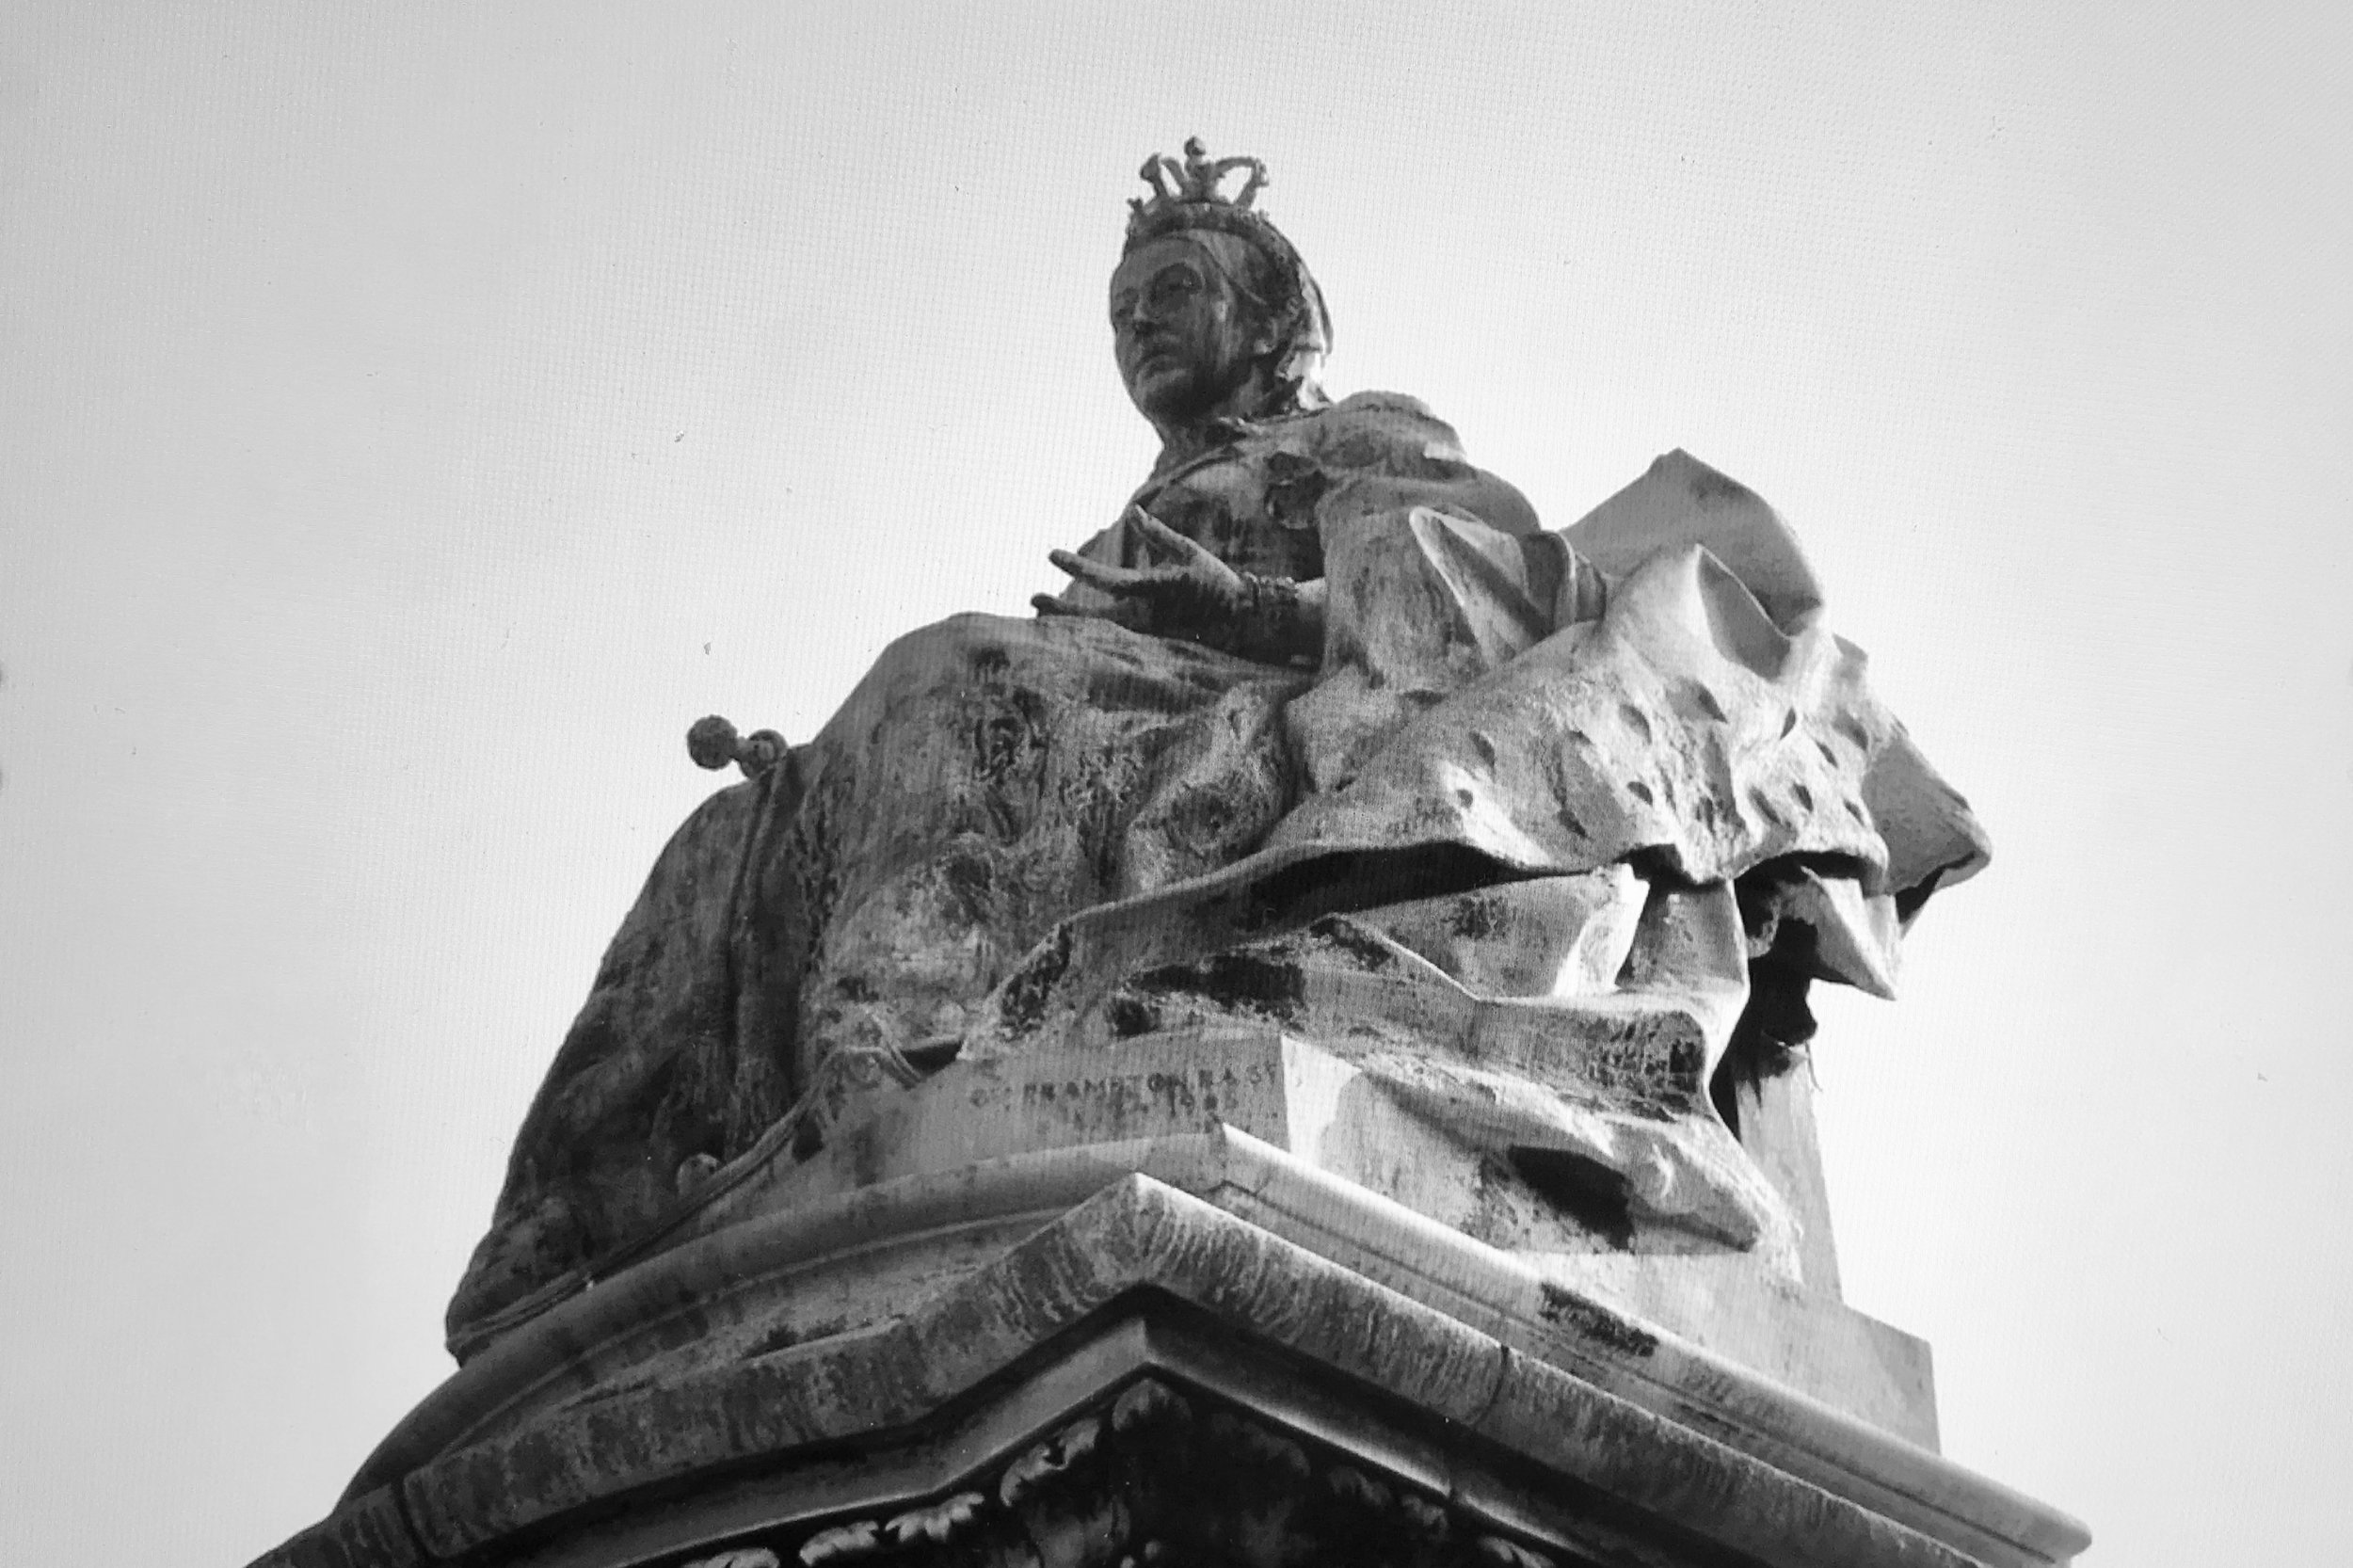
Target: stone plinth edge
[{"x": 1139, "y": 1278}]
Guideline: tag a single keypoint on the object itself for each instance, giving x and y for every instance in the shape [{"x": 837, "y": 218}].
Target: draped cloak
[{"x": 1541, "y": 807}]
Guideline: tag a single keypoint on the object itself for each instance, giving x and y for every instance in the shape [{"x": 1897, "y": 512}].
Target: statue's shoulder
[
  {"x": 1394, "y": 403},
  {"x": 1381, "y": 429}
]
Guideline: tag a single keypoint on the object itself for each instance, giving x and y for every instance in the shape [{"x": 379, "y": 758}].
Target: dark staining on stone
[
  {"x": 1202, "y": 816},
  {"x": 1707, "y": 812},
  {"x": 1766, "y": 808},
  {"x": 1854, "y": 810},
  {"x": 1641, "y": 791},
  {"x": 1789, "y": 721},
  {"x": 1685, "y": 1059},
  {"x": 1557, "y": 785},
  {"x": 1464, "y": 797},
  {"x": 1653, "y": 1107},
  {"x": 1636, "y": 721},
  {"x": 1828, "y": 755},
  {"x": 861, "y": 1145},
  {"x": 1025, "y": 995},
  {"x": 998, "y": 741},
  {"x": 1851, "y": 727},
  {"x": 1005, "y": 734},
  {"x": 1368, "y": 951},
  {"x": 1805, "y": 796},
  {"x": 1475, "y": 917},
  {"x": 1704, "y": 700},
  {"x": 1130, "y": 1015},
  {"x": 1251, "y": 981},
  {"x": 1008, "y": 738},
  {"x": 1565, "y": 1310},
  {"x": 784, "y": 1337},
  {"x": 971, "y": 879},
  {"x": 1128, "y": 691},
  {"x": 1484, "y": 746},
  {"x": 1294, "y": 484},
  {"x": 1357, "y": 449},
  {"x": 1206, "y": 678}
]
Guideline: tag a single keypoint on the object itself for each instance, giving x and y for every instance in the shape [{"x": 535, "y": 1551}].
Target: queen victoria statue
[
  {"x": 1532, "y": 838},
  {"x": 1292, "y": 1055}
]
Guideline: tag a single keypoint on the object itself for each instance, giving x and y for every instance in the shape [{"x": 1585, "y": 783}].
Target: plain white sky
[{"x": 412, "y": 417}]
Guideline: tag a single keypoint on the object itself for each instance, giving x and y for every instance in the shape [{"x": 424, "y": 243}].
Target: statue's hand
[{"x": 1190, "y": 594}]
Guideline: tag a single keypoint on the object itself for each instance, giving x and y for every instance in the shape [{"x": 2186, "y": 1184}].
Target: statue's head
[{"x": 1212, "y": 311}]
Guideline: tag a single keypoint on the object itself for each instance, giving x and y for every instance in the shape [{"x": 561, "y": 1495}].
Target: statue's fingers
[
  {"x": 1168, "y": 541},
  {"x": 1047, "y": 604},
  {"x": 1115, "y": 579}
]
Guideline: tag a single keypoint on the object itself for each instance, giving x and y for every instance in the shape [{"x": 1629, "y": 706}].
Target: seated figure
[{"x": 1325, "y": 732}]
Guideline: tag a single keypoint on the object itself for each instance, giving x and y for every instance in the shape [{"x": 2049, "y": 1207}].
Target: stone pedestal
[{"x": 1193, "y": 1300}]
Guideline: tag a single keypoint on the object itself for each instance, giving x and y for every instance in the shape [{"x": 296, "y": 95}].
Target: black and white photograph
[{"x": 1052, "y": 785}]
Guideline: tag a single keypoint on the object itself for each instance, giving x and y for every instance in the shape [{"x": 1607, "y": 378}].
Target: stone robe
[{"x": 1518, "y": 839}]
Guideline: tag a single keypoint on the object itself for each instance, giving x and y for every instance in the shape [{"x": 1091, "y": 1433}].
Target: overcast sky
[{"x": 412, "y": 417}]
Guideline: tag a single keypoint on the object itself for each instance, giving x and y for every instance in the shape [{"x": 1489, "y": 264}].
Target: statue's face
[{"x": 1185, "y": 341}]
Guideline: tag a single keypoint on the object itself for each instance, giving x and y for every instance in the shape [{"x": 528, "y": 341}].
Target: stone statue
[{"x": 1326, "y": 734}]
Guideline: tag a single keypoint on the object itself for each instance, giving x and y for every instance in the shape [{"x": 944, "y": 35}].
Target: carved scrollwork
[
  {"x": 842, "y": 1543},
  {"x": 937, "y": 1522}
]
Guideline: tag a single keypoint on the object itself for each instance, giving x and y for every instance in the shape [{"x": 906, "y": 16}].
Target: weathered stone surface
[
  {"x": 1565, "y": 1427},
  {"x": 1600, "y": 805},
  {"x": 1293, "y": 1056},
  {"x": 1326, "y": 731},
  {"x": 366, "y": 1531},
  {"x": 848, "y": 1247}
]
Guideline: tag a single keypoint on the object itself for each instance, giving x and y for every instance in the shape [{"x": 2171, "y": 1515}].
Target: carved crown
[
  {"x": 1193, "y": 182},
  {"x": 1190, "y": 195}
]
